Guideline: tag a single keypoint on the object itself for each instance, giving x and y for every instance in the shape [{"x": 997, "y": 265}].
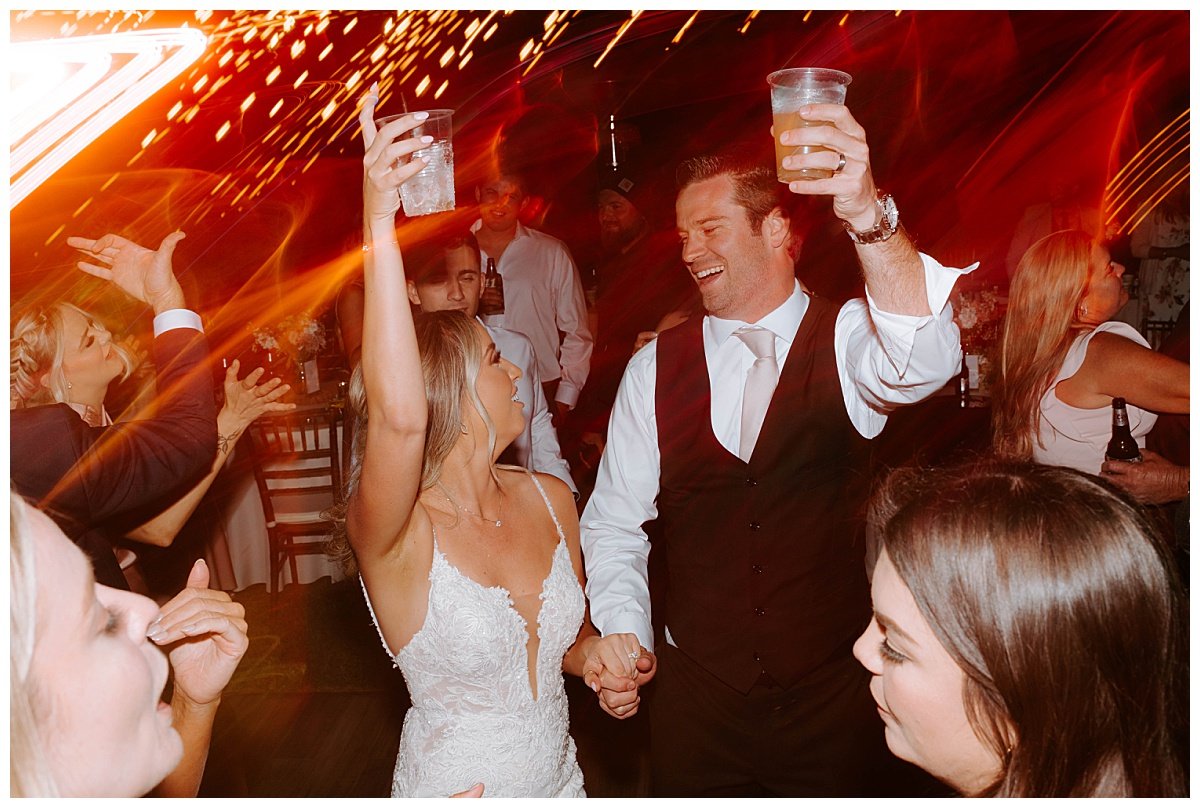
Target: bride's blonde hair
[
  {"x": 36, "y": 350},
  {"x": 451, "y": 357}
]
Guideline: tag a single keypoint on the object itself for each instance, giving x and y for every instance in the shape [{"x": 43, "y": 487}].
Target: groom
[{"x": 743, "y": 431}]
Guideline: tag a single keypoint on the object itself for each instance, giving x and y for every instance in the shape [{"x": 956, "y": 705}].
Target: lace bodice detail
[{"x": 474, "y": 715}]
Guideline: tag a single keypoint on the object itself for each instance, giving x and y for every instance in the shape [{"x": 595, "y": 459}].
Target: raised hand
[
  {"x": 207, "y": 634},
  {"x": 852, "y": 186},
  {"x": 384, "y": 166},
  {"x": 142, "y": 273},
  {"x": 245, "y": 400}
]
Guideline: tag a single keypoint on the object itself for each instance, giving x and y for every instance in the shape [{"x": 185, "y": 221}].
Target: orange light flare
[
  {"x": 679, "y": 36},
  {"x": 84, "y": 85},
  {"x": 616, "y": 38},
  {"x": 1161, "y": 155}
]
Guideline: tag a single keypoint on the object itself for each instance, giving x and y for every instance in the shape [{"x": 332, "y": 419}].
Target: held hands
[
  {"x": 245, "y": 400},
  {"x": 206, "y": 631},
  {"x": 384, "y": 169},
  {"x": 852, "y": 187},
  {"x": 141, "y": 273},
  {"x": 615, "y": 667}
]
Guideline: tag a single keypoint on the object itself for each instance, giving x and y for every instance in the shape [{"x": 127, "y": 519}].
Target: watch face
[{"x": 890, "y": 214}]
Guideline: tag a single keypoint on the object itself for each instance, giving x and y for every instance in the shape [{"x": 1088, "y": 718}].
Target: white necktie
[{"x": 760, "y": 385}]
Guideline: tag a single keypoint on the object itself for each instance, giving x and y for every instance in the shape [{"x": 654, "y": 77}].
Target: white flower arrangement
[{"x": 299, "y": 335}]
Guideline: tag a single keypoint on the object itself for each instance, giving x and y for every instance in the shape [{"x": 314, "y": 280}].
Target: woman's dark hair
[{"x": 1053, "y": 594}]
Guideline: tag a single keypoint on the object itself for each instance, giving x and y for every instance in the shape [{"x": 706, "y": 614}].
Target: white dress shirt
[
  {"x": 884, "y": 360},
  {"x": 542, "y": 297},
  {"x": 537, "y": 447}
]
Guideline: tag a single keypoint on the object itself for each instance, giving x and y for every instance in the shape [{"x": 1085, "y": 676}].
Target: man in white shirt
[
  {"x": 543, "y": 296},
  {"x": 445, "y": 276},
  {"x": 756, "y": 692}
]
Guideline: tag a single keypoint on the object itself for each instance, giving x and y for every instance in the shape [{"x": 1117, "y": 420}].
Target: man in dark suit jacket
[{"x": 97, "y": 480}]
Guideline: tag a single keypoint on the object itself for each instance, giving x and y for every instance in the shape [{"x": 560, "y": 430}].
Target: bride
[{"x": 472, "y": 571}]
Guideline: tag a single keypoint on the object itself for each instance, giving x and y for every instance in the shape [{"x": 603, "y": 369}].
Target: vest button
[
  {"x": 750, "y": 481},
  {"x": 759, "y": 612},
  {"x": 755, "y": 525},
  {"x": 757, "y": 569},
  {"x": 757, "y": 658}
]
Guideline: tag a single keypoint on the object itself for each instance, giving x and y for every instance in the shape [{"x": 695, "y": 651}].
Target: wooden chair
[
  {"x": 1156, "y": 330},
  {"x": 298, "y": 472}
]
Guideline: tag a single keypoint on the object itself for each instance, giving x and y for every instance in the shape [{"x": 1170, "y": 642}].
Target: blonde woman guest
[
  {"x": 87, "y": 673},
  {"x": 102, "y": 480},
  {"x": 1063, "y": 359}
]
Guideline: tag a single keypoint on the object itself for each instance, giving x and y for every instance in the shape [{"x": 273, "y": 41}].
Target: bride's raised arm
[{"x": 378, "y": 513}]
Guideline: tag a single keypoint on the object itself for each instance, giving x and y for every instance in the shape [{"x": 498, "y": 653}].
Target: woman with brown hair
[
  {"x": 1063, "y": 359},
  {"x": 1026, "y": 639}
]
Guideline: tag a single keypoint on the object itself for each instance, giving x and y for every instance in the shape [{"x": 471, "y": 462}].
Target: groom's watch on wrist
[{"x": 889, "y": 223}]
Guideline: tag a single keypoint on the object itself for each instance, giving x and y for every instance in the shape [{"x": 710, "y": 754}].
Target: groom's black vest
[{"x": 764, "y": 559}]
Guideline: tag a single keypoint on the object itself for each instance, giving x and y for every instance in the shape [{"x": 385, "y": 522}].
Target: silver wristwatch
[{"x": 889, "y": 222}]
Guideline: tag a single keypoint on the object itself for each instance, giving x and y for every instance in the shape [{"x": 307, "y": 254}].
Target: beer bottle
[
  {"x": 964, "y": 383},
  {"x": 492, "y": 280},
  {"x": 1122, "y": 446}
]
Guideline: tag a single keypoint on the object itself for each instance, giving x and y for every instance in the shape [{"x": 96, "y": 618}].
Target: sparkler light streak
[
  {"x": 57, "y": 122},
  {"x": 1128, "y": 200}
]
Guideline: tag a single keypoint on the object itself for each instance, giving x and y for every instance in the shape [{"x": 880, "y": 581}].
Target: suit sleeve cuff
[{"x": 177, "y": 318}]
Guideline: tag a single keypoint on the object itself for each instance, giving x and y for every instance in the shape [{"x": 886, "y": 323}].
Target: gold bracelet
[{"x": 367, "y": 247}]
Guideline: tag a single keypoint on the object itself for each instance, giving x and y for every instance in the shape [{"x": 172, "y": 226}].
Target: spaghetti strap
[{"x": 557, "y": 526}]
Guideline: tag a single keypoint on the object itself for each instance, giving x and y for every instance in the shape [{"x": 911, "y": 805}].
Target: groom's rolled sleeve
[{"x": 886, "y": 360}]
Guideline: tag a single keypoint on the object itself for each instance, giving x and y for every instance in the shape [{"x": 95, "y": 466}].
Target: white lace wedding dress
[{"x": 474, "y": 718}]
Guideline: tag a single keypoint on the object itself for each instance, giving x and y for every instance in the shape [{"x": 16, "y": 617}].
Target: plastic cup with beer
[
  {"x": 432, "y": 189},
  {"x": 792, "y": 89}
]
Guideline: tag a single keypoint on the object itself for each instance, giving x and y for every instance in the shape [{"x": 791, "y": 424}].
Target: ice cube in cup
[
  {"x": 432, "y": 189},
  {"x": 794, "y": 88}
]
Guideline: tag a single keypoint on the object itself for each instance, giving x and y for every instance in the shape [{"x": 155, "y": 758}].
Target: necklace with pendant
[{"x": 494, "y": 522}]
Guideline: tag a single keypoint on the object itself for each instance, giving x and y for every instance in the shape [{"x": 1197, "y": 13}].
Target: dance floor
[{"x": 315, "y": 709}]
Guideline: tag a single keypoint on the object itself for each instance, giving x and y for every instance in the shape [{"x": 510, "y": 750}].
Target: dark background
[{"x": 971, "y": 117}]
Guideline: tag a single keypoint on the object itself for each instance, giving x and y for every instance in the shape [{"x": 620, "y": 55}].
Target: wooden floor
[{"x": 316, "y": 709}]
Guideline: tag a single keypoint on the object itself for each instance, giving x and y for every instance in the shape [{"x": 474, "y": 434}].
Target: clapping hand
[
  {"x": 851, "y": 186},
  {"x": 384, "y": 169},
  {"x": 245, "y": 400},
  {"x": 142, "y": 273},
  {"x": 206, "y": 632},
  {"x": 615, "y": 668}
]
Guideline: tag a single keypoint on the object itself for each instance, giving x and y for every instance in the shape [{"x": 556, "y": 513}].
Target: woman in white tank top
[{"x": 1063, "y": 361}]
